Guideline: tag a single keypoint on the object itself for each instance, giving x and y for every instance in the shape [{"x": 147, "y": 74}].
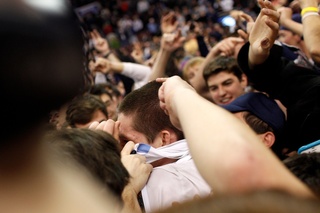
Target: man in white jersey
[{"x": 174, "y": 177}]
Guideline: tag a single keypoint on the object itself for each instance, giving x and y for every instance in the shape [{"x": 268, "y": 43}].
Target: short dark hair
[
  {"x": 112, "y": 89},
  {"x": 97, "y": 151},
  {"x": 148, "y": 118},
  {"x": 256, "y": 124},
  {"x": 81, "y": 109},
  {"x": 306, "y": 167},
  {"x": 100, "y": 90},
  {"x": 222, "y": 64},
  {"x": 260, "y": 127}
]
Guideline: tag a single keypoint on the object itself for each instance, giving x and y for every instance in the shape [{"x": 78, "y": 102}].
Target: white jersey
[{"x": 173, "y": 183}]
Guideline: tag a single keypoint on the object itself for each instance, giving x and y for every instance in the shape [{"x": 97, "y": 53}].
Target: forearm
[
  {"x": 311, "y": 31},
  {"x": 158, "y": 68},
  {"x": 293, "y": 26},
  {"x": 257, "y": 56},
  {"x": 116, "y": 67},
  {"x": 131, "y": 204},
  {"x": 139, "y": 73},
  {"x": 210, "y": 56},
  {"x": 227, "y": 153}
]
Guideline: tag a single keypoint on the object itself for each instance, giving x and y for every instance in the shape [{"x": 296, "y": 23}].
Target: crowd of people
[{"x": 160, "y": 106}]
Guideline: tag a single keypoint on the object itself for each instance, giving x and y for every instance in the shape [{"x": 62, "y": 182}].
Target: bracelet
[
  {"x": 107, "y": 55},
  {"x": 309, "y": 9},
  {"x": 309, "y": 14}
]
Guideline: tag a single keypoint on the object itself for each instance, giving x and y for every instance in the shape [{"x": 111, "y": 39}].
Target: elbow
[{"x": 245, "y": 172}]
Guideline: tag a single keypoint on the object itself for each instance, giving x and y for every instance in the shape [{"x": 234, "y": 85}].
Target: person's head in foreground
[{"x": 143, "y": 121}]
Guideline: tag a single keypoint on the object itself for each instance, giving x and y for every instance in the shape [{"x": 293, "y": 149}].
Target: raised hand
[
  {"x": 137, "y": 53},
  {"x": 285, "y": 14},
  {"x": 110, "y": 126},
  {"x": 263, "y": 33},
  {"x": 100, "y": 65},
  {"x": 226, "y": 47},
  {"x": 170, "y": 87},
  {"x": 244, "y": 34},
  {"x": 172, "y": 41},
  {"x": 169, "y": 23}
]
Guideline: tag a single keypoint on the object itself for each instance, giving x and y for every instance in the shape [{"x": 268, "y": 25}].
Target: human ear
[
  {"x": 268, "y": 138},
  {"x": 244, "y": 81}
]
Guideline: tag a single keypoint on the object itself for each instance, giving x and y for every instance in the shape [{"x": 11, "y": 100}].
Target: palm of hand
[
  {"x": 168, "y": 27},
  {"x": 262, "y": 36}
]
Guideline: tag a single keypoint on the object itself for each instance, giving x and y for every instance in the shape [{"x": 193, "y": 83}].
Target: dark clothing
[
  {"x": 297, "y": 87},
  {"x": 203, "y": 49}
]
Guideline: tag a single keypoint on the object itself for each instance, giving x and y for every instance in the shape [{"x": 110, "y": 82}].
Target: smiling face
[{"x": 224, "y": 87}]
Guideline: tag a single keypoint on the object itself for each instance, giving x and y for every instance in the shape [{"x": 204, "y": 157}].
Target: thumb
[{"x": 127, "y": 148}]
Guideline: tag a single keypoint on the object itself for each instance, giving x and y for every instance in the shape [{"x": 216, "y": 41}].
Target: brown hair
[
  {"x": 81, "y": 109},
  {"x": 97, "y": 151},
  {"x": 222, "y": 64},
  {"x": 148, "y": 117}
]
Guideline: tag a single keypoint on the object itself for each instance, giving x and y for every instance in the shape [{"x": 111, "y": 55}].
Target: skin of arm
[
  {"x": 227, "y": 153},
  {"x": 158, "y": 68},
  {"x": 311, "y": 30},
  {"x": 170, "y": 41},
  {"x": 225, "y": 47},
  {"x": 139, "y": 73},
  {"x": 287, "y": 22}
]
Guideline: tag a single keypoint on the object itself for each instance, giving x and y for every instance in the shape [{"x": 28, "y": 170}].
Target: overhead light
[{"x": 55, "y": 6}]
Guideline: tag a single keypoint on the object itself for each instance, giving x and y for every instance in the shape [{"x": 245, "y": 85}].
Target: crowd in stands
[{"x": 160, "y": 106}]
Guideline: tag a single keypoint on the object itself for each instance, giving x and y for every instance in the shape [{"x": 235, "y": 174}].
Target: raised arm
[
  {"x": 170, "y": 41},
  {"x": 139, "y": 73},
  {"x": 226, "y": 47},
  {"x": 263, "y": 33},
  {"x": 227, "y": 153},
  {"x": 287, "y": 22},
  {"x": 311, "y": 27}
]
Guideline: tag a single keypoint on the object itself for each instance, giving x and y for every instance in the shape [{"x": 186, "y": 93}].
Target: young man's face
[
  {"x": 111, "y": 106},
  {"x": 224, "y": 87},
  {"x": 128, "y": 133}
]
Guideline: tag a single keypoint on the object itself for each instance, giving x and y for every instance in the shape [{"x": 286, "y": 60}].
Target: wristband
[
  {"x": 309, "y": 9},
  {"x": 309, "y": 14}
]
